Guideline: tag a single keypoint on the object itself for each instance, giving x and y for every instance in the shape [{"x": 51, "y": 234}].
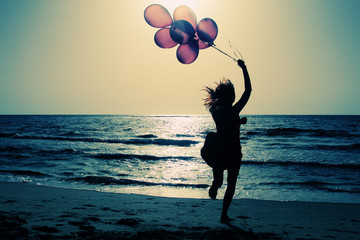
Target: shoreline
[{"x": 41, "y": 212}]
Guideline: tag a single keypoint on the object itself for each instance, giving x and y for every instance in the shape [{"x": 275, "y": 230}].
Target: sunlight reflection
[{"x": 176, "y": 192}]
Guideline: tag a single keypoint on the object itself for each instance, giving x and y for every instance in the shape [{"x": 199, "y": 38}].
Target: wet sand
[{"x": 29, "y": 211}]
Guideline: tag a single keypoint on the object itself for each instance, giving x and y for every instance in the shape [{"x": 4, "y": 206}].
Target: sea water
[{"x": 286, "y": 158}]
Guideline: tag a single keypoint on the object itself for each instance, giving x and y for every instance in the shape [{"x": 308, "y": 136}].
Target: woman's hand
[{"x": 241, "y": 63}]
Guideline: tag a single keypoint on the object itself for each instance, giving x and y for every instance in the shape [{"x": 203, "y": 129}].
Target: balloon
[
  {"x": 182, "y": 29},
  {"x": 163, "y": 39},
  {"x": 207, "y": 30},
  {"x": 182, "y": 32},
  {"x": 185, "y": 13},
  {"x": 157, "y": 16},
  {"x": 202, "y": 45},
  {"x": 187, "y": 53}
]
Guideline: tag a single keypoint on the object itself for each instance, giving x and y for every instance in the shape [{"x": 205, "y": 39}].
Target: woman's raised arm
[{"x": 246, "y": 95}]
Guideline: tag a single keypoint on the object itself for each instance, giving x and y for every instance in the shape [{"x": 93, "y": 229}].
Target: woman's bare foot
[
  {"x": 213, "y": 192},
  {"x": 225, "y": 219}
]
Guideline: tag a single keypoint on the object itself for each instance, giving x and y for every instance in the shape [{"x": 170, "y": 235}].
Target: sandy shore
[{"x": 36, "y": 212}]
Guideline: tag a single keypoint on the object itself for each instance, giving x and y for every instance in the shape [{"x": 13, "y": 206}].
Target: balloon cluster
[{"x": 183, "y": 29}]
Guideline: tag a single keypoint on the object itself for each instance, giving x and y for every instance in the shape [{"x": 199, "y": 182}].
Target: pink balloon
[
  {"x": 187, "y": 14},
  {"x": 188, "y": 53},
  {"x": 163, "y": 39},
  {"x": 182, "y": 32},
  {"x": 157, "y": 16},
  {"x": 202, "y": 45},
  {"x": 207, "y": 30}
]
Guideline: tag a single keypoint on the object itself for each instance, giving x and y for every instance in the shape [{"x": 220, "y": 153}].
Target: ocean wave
[
  {"x": 120, "y": 156},
  {"x": 330, "y": 187},
  {"x": 12, "y": 149},
  {"x": 349, "y": 147},
  {"x": 273, "y": 132},
  {"x": 57, "y": 151},
  {"x": 122, "y": 181},
  {"x": 147, "y": 136},
  {"x": 25, "y": 173},
  {"x": 145, "y": 141},
  {"x": 305, "y": 164},
  {"x": 309, "y": 146},
  {"x": 184, "y": 135},
  {"x": 6, "y": 135},
  {"x": 162, "y": 142},
  {"x": 18, "y": 150},
  {"x": 341, "y": 190},
  {"x": 70, "y": 133}
]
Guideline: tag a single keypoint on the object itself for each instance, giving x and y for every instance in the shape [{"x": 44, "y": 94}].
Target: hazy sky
[{"x": 99, "y": 57}]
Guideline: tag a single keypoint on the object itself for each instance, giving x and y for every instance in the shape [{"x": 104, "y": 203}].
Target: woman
[{"x": 226, "y": 116}]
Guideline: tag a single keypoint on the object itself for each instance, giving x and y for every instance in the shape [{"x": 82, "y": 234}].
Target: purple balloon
[
  {"x": 157, "y": 16},
  {"x": 185, "y": 13},
  {"x": 182, "y": 32},
  {"x": 187, "y": 53},
  {"x": 202, "y": 45},
  {"x": 163, "y": 39},
  {"x": 207, "y": 30}
]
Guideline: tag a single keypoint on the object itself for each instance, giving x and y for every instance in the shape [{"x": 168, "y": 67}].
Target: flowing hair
[{"x": 223, "y": 93}]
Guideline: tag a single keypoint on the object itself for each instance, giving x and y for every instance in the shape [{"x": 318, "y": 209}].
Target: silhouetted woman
[{"x": 228, "y": 149}]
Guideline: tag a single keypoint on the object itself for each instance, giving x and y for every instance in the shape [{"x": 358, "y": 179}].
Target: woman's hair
[{"x": 224, "y": 93}]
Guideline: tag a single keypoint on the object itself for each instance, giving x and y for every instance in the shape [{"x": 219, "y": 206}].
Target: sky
[{"x": 99, "y": 57}]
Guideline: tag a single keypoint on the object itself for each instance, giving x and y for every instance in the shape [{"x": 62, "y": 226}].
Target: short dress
[{"x": 222, "y": 149}]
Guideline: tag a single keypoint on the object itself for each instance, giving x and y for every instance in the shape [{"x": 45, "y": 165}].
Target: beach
[{"x": 30, "y": 211}]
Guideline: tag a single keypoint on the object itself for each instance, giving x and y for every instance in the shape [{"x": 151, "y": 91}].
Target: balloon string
[
  {"x": 213, "y": 45},
  {"x": 232, "y": 48}
]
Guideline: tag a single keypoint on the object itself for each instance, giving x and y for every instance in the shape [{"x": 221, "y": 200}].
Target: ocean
[{"x": 285, "y": 158}]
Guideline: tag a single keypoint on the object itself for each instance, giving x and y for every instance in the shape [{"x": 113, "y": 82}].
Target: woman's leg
[
  {"x": 229, "y": 193},
  {"x": 217, "y": 182}
]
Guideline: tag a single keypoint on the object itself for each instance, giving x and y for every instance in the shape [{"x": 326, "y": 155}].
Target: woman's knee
[
  {"x": 218, "y": 177},
  {"x": 217, "y": 183}
]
